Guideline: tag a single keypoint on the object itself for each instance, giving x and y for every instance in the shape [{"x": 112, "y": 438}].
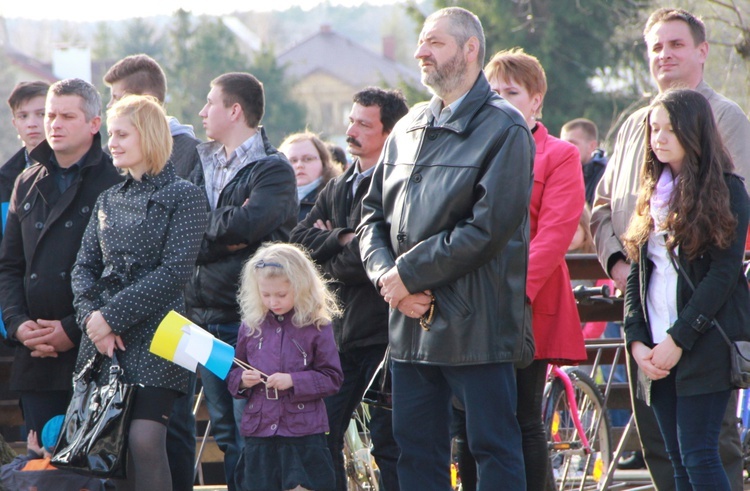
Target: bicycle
[
  {"x": 575, "y": 420},
  {"x": 361, "y": 470}
]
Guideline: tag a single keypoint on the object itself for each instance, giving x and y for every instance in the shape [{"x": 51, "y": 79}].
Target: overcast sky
[{"x": 93, "y": 10}]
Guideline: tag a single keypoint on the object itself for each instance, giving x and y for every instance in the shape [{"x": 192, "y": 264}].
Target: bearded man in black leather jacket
[{"x": 445, "y": 236}]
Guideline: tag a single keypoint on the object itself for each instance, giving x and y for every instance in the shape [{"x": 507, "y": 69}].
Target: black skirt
[{"x": 279, "y": 463}]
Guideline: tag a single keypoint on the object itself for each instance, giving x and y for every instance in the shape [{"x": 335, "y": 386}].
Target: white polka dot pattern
[{"x": 138, "y": 252}]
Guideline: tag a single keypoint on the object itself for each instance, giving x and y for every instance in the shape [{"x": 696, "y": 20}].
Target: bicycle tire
[
  {"x": 572, "y": 468},
  {"x": 361, "y": 470}
]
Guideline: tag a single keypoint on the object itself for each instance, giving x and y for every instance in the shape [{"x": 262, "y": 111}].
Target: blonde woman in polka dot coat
[{"x": 137, "y": 254}]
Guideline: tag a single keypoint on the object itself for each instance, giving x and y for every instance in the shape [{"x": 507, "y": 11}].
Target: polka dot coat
[{"x": 138, "y": 252}]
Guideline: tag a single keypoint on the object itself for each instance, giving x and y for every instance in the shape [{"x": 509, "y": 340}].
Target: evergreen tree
[
  {"x": 283, "y": 114},
  {"x": 576, "y": 42},
  {"x": 140, "y": 36},
  {"x": 197, "y": 55}
]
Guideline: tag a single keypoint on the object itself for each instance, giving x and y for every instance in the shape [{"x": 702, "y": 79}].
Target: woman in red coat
[{"x": 557, "y": 201}]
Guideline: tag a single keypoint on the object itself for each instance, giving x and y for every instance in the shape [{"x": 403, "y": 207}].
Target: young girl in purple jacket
[{"x": 287, "y": 340}]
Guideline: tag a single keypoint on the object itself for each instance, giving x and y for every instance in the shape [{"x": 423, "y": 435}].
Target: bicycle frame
[{"x": 557, "y": 372}]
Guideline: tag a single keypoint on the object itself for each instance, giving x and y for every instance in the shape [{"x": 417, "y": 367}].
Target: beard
[{"x": 445, "y": 77}]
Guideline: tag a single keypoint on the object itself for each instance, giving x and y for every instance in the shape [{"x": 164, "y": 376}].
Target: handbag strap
[{"x": 692, "y": 287}]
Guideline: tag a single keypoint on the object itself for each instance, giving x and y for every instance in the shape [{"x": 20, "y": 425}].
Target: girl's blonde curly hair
[{"x": 313, "y": 301}]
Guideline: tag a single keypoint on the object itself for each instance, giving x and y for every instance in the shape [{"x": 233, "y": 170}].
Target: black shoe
[{"x": 632, "y": 462}]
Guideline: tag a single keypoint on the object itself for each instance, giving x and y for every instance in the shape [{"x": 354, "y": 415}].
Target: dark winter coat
[
  {"x": 42, "y": 237},
  {"x": 9, "y": 172},
  {"x": 258, "y": 205},
  {"x": 184, "y": 155},
  {"x": 308, "y": 201},
  {"x": 721, "y": 293},
  {"x": 137, "y": 254},
  {"x": 593, "y": 170},
  {"x": 365, "y": 318}
]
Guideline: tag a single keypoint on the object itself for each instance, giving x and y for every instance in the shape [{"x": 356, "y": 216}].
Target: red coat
[{"x": 556, "y": 204}]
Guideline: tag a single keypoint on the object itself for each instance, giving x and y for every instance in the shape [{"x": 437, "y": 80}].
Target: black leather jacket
[{"x": 449, "y": 206}]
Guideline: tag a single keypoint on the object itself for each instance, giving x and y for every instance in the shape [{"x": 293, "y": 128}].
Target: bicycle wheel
[
  {"x": 361, "y": 471},
  {"x": 572, "y": 467}
]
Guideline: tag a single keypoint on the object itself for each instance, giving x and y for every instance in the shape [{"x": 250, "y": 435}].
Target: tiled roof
[
  {"x": 41, "y": 70},
  {"x": 345, "y": 60}
]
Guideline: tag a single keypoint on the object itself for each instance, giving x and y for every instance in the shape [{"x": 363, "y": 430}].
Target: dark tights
[
  {"x": 530, "y": 385},
  {"x": 148, "y": 467}
]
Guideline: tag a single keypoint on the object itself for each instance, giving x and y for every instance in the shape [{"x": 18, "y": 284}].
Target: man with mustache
[
  {"x": 445, "y": 237},
  {"x": 328, "y": 232}
]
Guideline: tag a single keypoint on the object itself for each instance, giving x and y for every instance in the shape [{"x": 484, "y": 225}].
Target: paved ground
[{"x": 625, "y": 481}]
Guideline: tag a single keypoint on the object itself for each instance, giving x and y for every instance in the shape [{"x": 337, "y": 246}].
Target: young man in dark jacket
[
  {"x": 26, "y": 103},
  {"x": 142, "y": 75},
  {"x": 252, "y": 195},
  {"x": 51, "y": 207},
  {"x": 328, "y": 233}
]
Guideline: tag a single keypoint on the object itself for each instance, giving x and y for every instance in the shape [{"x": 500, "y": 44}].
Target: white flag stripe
[
  {"x": 199, "y": 345},
  {"x": 182, "y": 358}
]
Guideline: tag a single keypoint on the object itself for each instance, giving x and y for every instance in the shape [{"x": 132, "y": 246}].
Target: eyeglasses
[{"x": 305, "y": 159}]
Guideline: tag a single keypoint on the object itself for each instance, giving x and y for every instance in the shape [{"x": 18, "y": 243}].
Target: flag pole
[{"x": 247, "y": 366}]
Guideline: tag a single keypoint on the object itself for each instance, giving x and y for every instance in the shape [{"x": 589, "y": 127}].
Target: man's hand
[
  {"x": 54, "y": 341},
  {"x": 32, "y": 443},
  {"x": 236, "y": 247},
  {"x": 643, "y": 355},
  {"x": 619, "y": 273},
  {"x": 321, "y": 225},
  {"x": 344, "y": 239},
  {"x": 29, "y": 332},
  {"x": 392, "y": 288},
  {"x": 666, "y": 354},
  {"x": 416, "y": 305}
]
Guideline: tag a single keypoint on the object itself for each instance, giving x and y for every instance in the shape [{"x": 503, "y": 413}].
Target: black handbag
[
  {"x": 739, "y": 351},
  {"x": 94, "y": 436}
]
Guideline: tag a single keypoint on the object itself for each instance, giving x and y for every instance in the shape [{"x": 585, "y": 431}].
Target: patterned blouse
[{"x": 138, "y": 252}]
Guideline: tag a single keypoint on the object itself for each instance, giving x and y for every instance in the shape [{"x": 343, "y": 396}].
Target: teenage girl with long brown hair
[{"x": 686, "y": 242}]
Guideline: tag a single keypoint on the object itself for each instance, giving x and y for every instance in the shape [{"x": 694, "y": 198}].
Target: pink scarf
[{"x": 665, "y": 187}]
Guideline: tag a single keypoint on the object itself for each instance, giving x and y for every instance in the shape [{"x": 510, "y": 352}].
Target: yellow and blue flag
[{"x": 182, "y": 342}]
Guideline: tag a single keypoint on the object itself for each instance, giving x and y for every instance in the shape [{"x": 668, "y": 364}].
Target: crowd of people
[{"x": 441, "y": 246}]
